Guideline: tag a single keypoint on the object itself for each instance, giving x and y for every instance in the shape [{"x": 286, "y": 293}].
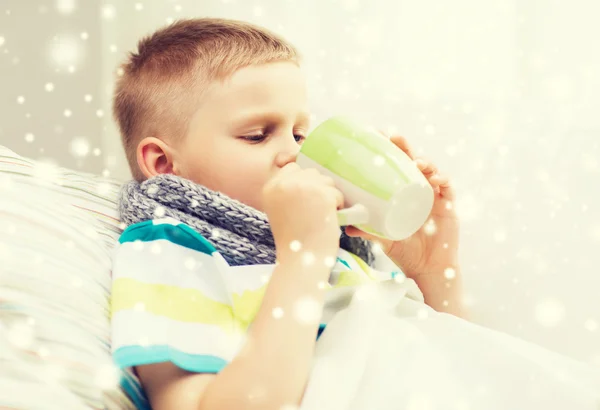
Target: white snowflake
[
  {"x": 103, "y": 188},
  {"x": 84, "y": 35},
  {"x": 190, "y": 263},
  {"x": 379, "y": 160},
  {"x": 43, "y": 352},
  {"x": 29, "y": 137},
  {"x": 295, "y": 245},
  {"x": 330, "y": 261},
  {"x": 155, "y": 248},
  {"x": 377, "y": 248},
  {"x": 257, "y": 393},
  {"x": 67, "y": 113},
  {"x": 49, "y": 87},
  {"x": 308, "y": 258},
  {"x": 449, "y": 273},
  {"x": 500, "y": 235},
  {"x": 160, "y": 211},
  {"x": 278, "y": 313},
  {"x": 21, "y": 99},
  {"x": 21, "y": 335},
  {"x": 88, "y": 98},
  {"x": 307, "y": 310},
  {"x": 65, "y": 51},
  {"x": 591, "y": 325},
  {"x": 107, "y": 377},
  {"x": 79, "y": 147},
  {"x": 109, "y": 11},
  {"x": 46, "y": 171},
  {"x": 430, "y": 227},
  {"x": 65, "y": 6},
  {"x": 549, "y": 312},
  {"x": 258, "y": 11}
]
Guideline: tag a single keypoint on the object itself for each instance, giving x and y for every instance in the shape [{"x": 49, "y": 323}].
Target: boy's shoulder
[{"x": 166, "y": 229}]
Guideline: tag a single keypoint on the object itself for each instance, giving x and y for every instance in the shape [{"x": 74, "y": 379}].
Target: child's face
[{"x": 218, "y": 152}]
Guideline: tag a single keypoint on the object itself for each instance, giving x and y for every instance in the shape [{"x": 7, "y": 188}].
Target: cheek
[{"x": 245, "y": 181}]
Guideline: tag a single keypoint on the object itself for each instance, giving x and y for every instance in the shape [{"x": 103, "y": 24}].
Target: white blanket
[{"x": 388, "y": 350}]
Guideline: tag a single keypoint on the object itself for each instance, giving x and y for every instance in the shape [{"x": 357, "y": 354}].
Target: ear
[{"x": 154, "y": 157}]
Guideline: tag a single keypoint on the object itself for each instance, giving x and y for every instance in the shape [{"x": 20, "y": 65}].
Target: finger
[
  {"x": 437, "y": 179},
  {"x": 327, "y": 180},
  {"x": 447, "y": 190},
  {"x": 382, "y": 132},
  {"x": 316, "y": 175},
  {"x": 353, "y": 231},
  {"x": 402, "y": 143},
  {"x": 443, "y": 186},
  {"x": 426, "y": 167},
  {"x": 339, "y": 197},
  {"x": 289, "y": 168}
]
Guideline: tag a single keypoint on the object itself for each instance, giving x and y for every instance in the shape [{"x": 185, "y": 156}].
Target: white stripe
[
  {"x": 167, "y": 221},
  {"x": 163, "y": 262},
  {"x": 248, "y": 277},
  {"x": 133, "y": 328}
]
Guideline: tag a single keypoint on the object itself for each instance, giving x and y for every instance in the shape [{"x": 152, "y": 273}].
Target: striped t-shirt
[{"x": 175, "y": 298}]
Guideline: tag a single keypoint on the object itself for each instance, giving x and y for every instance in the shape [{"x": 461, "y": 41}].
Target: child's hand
[
  {"x": 434, "y": 247},
  {"x": 301, "y": 205}
]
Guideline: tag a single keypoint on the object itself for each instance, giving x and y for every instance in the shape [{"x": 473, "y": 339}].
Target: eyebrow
[{"x": 303, "y": 117}]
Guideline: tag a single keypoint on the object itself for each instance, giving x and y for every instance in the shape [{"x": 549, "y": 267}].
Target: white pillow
[{"x": 57, "y": 231}]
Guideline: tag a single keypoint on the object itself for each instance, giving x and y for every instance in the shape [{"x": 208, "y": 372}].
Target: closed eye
[
  {"x": 255, "y": 138},
  {"x": 261, "y": 137}
]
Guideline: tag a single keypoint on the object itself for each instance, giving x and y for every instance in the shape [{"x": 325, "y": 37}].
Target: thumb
[{"x": 353, "y": 231}]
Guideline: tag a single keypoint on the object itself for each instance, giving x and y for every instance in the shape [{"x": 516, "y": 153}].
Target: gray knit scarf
[{"x": 241, "y": 234}]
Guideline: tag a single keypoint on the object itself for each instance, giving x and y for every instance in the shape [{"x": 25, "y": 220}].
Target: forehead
[{"x": 280, "y": 83}]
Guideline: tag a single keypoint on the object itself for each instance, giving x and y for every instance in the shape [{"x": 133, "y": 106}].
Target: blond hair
[{"x": 159, "y": 85}]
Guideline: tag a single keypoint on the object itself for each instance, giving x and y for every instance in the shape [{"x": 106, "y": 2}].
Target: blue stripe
[
  {"x": 129, "y": 356},
  {"x": 321, "y": 328},
  {"x": 395, "y": 273},
  {"x": 180, "y": 234},
  {"x": 135, "y": 393},
  {"x": 343, "y": 262}
]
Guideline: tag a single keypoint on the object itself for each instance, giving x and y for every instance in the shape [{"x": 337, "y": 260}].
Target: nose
[{"x": 288, "y": 152}]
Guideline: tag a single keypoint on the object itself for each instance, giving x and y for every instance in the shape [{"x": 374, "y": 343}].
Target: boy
[{"x": 223, "y": 104}]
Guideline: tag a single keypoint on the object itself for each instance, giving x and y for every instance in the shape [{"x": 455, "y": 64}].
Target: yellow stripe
[
  {"x": 185, "y": 305},
  {"x": 350, "y": 278},
  {"x": 247, "y": 304},
  {"x": 363, "y": 265}
]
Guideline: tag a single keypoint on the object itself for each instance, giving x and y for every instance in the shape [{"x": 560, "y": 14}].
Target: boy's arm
[
  {"x": 443, "y": 294},
  {"x": 272, "y": 368}
]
